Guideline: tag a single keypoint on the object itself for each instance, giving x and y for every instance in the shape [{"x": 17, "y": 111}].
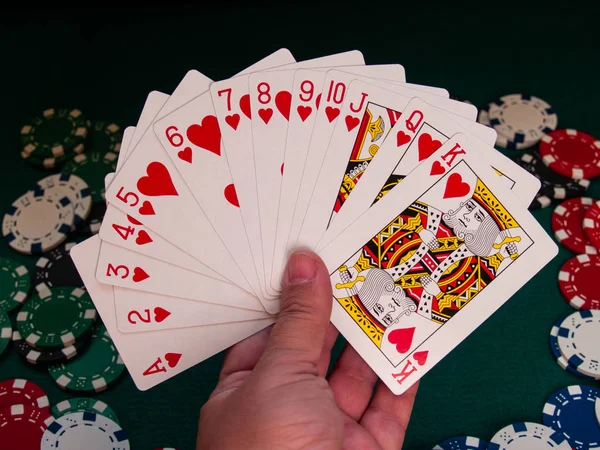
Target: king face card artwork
[
  {"x": 426, "y": 265},
  {"x": 421, "y": 130}
]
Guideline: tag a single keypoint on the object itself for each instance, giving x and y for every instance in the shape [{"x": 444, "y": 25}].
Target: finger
[
  {"x": 387, "y": 416},
  {"x": 325, "y": 358},
  {"x": 352, "y": 382},
  {"x": 299, "y": 333},
  {"x": 245, "y": 354}
]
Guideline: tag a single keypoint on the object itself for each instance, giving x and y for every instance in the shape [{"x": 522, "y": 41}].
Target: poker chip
[
  {"x": 22, "y": 426},
  {"x": 94, "y": 221},
  {"x": 105, "y": 137},
  {"x": 577, "y": 281},
  {"x": 14, "y": 284},
  {"x": 84, "y": 404},
  {"x": 597, "y": 409},
  {"x": 80, "y": 430},
  {"x": 99, "y": 366},
  {"x": 74, "y": 188},
  {"x": 567, "y": 224},
  {"x": 539, "y": 202},
  {"x": 93, "y": 167},
  {"x": 558, "y": 356},
  {"x": 19, "y": 391},
  {"x": 483, "y": 117},
  {"x": 45, "y": 357},
  {"x": 36, "y": 223},
  {"x": 591, "y": 224},
  {"x": 521, "y": 120},
  {"x": 462, "y": 443},
  {"x": 570, "y": 411},
  {"x": 571, "y": 153},
  {"x": 56, "y": 318},
  {"x": 553, "y": 185},
  {"x": 578, "y": 338},
  {"x": 528, "y": 436},
  {"x": 56, "y": 269},
  {"x": 5, "y": 330},
  {"x": 54, "y": 133}
]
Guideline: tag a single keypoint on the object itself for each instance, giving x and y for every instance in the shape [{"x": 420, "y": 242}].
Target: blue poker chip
[
  {"x": 571, "y": 412},
  {"x": 558, "y": 356},
  {"x": 462, "y": 443}
]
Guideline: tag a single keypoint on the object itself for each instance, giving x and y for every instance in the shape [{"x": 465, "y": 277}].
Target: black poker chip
[
  {"x": 55, "y": 269},
  {"x": 540, "y": 201},
  {"x": 554, "y": 185},
  {"x": 47, "y": 357},
  {"x": 92, "y": 224}
]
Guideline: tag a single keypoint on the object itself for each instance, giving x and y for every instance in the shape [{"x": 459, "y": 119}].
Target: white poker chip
[
  {"x": 528, "y": 436},
  {"x": 579, "y": 341},
  {"x": 84, "y": 430},
  {"x": 38, "y": 222},
  {"x": 73, "y": 187},
  {"x": 598, "y": 410}
]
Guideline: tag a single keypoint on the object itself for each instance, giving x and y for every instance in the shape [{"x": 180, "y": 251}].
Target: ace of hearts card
[{"x": 430, "y": 262}]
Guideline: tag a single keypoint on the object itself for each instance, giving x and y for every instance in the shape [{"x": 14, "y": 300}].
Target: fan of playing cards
[{"x": 395, "y": 186}]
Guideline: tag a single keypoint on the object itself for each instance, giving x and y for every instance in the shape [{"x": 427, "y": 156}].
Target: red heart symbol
[
  {"x": 146, "y": 209},
  {"x": 142, "y": 238},
  {"x": 139, "y": 274},
  {"x": 245, "y": 105},
  {"x": 332, "y": 113},
  {"x": 160, "y": 314},
  {"x": 318, "y": 101},
  {"x": 402, "y": 338},
  {"x": 427, "y": 146},
  {"x": 172, "y": 359},
  {"x": 351, "y": 122},
  {"x": 281, "y": 168},
  {"x": 231, "y": 195},
  {"x": 133, "y": 221},
  {"x": 437, "y": 168},
  {"x": 283, "y": 101},
  {"x": 421, "y": 357},
  {"x": 456, "y": 187},
  {"x": 157, "y": 182},
  {"x": 304, "y": 112},
  {"x": 402, "y": 138},
  {"x": 206, "y": 135},
  {"x": 185, "y": 155},
  {"x": 265, "y": 114},
  {"x": 233, "y": 120}
]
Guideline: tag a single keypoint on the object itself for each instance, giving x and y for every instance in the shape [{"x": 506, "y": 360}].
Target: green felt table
[{"x": 106, "y": 61}]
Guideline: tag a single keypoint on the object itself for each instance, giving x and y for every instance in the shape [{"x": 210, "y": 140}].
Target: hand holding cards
[{"x": 394, "y": 185}]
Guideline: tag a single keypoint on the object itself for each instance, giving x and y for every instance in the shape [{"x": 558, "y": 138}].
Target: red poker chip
[
  {"x": 591, "y": 224},
  {"x": 20, "y": 391},
  {"x": 22, "y": 427},
  {"x": 571, "y": 153},
  {"x": 578, "y": 281},
  {"x": 567, "y": 224}
]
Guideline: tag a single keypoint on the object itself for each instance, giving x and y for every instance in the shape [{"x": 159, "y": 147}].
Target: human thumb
[{"x": 299, "y": 332}]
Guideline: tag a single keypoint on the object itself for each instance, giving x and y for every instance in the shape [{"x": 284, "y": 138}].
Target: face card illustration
[
  {"x": 421, "y": 130},
  {"x": 152, "y": 358},
  {"x": 307, "y": 93},
  {"x": 365, "y": 119},
  {"x": 424, "y": 278}
]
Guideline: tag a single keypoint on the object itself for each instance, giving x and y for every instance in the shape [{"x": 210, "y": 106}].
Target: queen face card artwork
[{"x": 450, "y": 245}]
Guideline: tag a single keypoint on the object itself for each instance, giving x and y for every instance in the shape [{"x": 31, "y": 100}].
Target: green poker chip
[
  {"x": 56, "y": 317},
  {"x": 14, "y": 284},
  {"x": 83, "y": 404},
  {"x": 93, "y": 167},
  {"x": 95, "y": 369},
  {"x": 49, "y": 162},
  {"x": 54, "y": 133},
  {"x": 5, "y": 330},
  {"x": 105, "y": 137}
]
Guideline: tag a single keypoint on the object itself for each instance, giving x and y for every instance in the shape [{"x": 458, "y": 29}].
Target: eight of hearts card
[{"x": 189, "y": 258}]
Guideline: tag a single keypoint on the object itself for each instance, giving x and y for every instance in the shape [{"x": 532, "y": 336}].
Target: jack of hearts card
[{"x": 430, "y": 262}]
